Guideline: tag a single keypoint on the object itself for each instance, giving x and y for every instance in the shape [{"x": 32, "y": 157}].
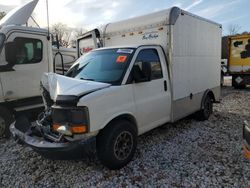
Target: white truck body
[
  {"x": 191, "y": 45},
  {"x": 23, "y": 81},
  {"x": 20, "y": 81},
  {"x": 151, "y": 70}
]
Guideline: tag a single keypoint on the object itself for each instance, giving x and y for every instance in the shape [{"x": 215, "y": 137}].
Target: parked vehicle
[
  {"x": 239, "y": 60},
  {"x": 25, "y": 54},
  {"x": 150, "y": 70}
]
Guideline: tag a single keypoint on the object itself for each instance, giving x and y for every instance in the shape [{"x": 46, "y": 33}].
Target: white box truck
[
  {"x": 25, "y": 54},
  {"x": 150, "y": 70}
]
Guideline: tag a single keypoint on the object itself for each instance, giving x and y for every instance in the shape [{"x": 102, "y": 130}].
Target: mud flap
[
  {"x": 22, "y": 124},
  {"x": 19, "y": 128}
]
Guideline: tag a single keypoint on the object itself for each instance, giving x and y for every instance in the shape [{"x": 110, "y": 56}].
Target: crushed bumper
[
  {"x": 246, "y": 137},
  {"x": 54, "y": 150}
]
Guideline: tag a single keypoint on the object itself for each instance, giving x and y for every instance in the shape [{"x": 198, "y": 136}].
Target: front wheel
[
  {"x": 207, "y": 109},
  {"x": 5, "y": 121},
  {"x": 116, "y": 144}
]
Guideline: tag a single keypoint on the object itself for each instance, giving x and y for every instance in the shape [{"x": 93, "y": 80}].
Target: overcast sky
[{"x": 91, "y": 13}]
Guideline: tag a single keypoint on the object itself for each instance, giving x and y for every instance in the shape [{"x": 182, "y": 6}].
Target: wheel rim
[
  {"x": 123, "y": 145},
  {"x": 2, "y": 126}
]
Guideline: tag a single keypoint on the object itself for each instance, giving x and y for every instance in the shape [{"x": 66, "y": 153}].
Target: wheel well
[
  {"x": 127, "y": 117},
  {"x": 207, "y": 93}
]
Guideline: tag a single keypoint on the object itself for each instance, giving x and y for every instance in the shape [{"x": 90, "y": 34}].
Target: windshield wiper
[{"x": 88, "y": 79}]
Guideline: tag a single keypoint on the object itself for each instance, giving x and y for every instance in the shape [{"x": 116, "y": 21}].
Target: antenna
[
  {"x": 34, "y": 21},
  {"x": 47, "y": 5}
]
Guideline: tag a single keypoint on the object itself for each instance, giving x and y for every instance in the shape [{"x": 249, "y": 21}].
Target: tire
[
  {"x": 207, "y": 109},
  {"x": 5, "y": 120},
  {"x": 116, "y": 144}
]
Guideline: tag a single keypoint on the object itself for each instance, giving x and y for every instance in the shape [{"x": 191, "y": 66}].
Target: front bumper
[
  {"x": 54, "y": 150},
  {"x": 246, "y": 137}
]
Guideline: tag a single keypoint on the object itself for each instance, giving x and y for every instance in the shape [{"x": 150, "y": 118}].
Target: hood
[
  {"x": 19, "y": 15},
  {"x": 61, "y": 85}
]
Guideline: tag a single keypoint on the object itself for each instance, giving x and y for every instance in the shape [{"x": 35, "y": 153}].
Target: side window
[
  {"x": 151, "y": 56},
  {"x": 28, "y": 50}
]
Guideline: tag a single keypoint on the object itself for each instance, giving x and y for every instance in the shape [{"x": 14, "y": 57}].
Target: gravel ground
[{"x": 187, "y": 153}]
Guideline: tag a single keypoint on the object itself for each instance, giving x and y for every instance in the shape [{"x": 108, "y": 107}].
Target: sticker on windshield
[
  {"x": 126, "y": 51},
  {"x": 121, "y": 59}
]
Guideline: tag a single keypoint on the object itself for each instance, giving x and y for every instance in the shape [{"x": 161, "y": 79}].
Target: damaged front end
[{"x": 60, "y": 132}]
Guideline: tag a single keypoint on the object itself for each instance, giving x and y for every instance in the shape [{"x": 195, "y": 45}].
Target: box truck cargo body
[
  {"x": 239, "y": 60},
  {"x": 133, "y": 76},
  {"x": 190, "y": 43}
]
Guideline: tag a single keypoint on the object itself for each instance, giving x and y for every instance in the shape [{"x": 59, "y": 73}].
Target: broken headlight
[{"x": 70, "y": 120}]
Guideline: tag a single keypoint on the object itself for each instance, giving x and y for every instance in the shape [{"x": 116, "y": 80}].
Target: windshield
[
  {"x": 108, "y": 66},
  {"x": 2, "y": 38}
]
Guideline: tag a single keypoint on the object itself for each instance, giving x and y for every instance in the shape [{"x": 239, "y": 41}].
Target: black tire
[
  {"x": 116, "y": 144},
  {"x": 5, "y": 120},
  {"x": 207, "y": 109}
]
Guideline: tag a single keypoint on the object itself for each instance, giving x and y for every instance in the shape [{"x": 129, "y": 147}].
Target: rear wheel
[
  {"x": 207, "y": 109},
  {"x": 5, "y": 121},
  {"x": 116, "y": 144}
]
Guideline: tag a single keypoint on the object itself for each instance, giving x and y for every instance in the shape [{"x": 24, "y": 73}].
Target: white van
[{"x": 151, "y": 70}]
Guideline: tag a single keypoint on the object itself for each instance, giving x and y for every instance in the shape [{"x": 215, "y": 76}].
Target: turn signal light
[
  {"x": 55, "y": 127},
  {"x": 78, "y": 129},
  {"x": 246, "y": 152}
]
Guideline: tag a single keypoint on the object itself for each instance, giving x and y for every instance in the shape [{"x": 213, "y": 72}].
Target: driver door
[
  {"x": 152, "y": 98},
  {"x": 23, "y": 79}
]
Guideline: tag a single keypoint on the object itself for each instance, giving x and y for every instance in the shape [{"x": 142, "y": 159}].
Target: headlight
[{"x": 75, "y": 119}]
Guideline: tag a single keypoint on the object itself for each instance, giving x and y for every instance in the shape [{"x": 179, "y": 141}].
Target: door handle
[{"x": 165, "y": 85}]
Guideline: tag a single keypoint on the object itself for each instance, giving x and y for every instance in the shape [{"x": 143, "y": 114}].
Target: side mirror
[
  {"x": 142, "y": 74},
  {"x": 10, "y": 53},
  {"x": 57, "y": 42}
]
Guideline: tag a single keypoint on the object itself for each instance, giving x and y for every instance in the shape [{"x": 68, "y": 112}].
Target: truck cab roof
[{"x": 10, "y": 28}]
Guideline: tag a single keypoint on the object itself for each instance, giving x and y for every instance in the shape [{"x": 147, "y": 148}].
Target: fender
[{"x": 125, "y": 115}]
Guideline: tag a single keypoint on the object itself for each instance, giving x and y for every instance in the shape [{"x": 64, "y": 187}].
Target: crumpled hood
[{"x": 61, "y": 85}]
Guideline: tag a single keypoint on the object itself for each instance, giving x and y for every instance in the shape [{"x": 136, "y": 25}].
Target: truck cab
[
  {"x": 23, "y": 60},
  {"x": 25, "y": 54}
]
